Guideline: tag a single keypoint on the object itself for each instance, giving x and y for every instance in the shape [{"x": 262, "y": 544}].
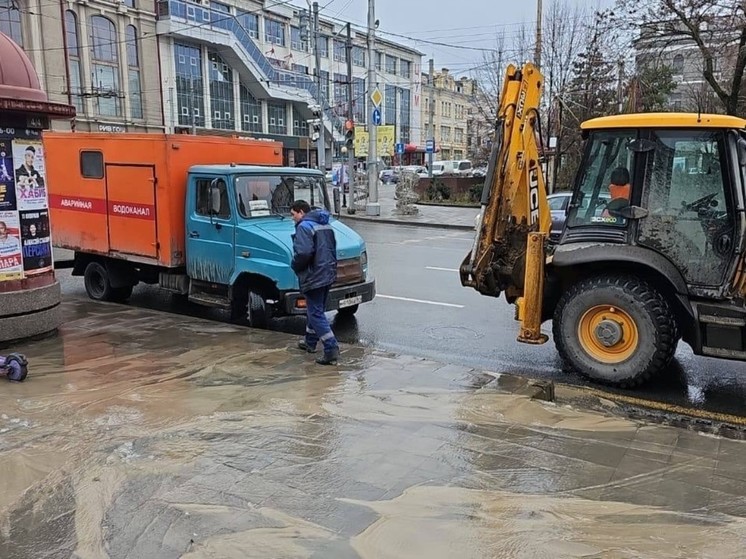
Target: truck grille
[{"x": 349, "y": 271}]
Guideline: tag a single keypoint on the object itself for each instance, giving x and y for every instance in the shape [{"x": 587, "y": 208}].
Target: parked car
[
  {"x": 479, "y": 172},
  {"x": 439, "y": 168},
  {"x": 388, "y": 176},
  {"x": 559, "y": 203}
]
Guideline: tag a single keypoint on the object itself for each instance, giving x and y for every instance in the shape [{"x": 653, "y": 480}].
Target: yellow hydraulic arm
[{"x": 509, "y": 248}]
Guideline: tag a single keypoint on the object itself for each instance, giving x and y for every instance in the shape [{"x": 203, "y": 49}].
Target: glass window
[
  {"x": 276, "y": 112},
  {"x": 274, "y": 32},
  {"x": 678, "y": 64},
  {"x": 406, "y": 116},
  {"x": 358, "y": 100},
  {"x": 324, "y": 78},
  {"x": 189, "y": 85},
  {"x": 607, "y": 172},
  {"x": 323, "y": 43},
  {"x": 221, "y": 93},
  {"x": 379, "y": 61},
  {"x": 133, "y": 65},
  {"x": 340, "y": 88},
  {"x": 250, "y": 22},
  {"x": 129, "y": 3},
  {"x": 213, "y": 200},
  {"x": 105, "y": 66},
  {"x": 297, "y": 42},
  {"x": 358, "y": 56},
  {"x": 405, "y": 68},
  {"x": 92, "y": 164},
  {"x": 389, "y": 103},
  {"x": 557, "y": 203},
  {"x": 340, "y": 52},
  {"x": 73, "y": 60},
  {"x": 251, "y": 112},
  {"x": 390, "y": 64},
  {"x": 220, "y": 7},
  {"x": 300, "y": 126},
  {"x": 10, "y": 20},
  {"x": 261, "y": 195},
  {"x": 689, "y": 219}
]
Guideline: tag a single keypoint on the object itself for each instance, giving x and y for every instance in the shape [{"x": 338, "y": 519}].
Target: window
[
  {"x": 608, "y": 168},
  {"x": 406, "y": 117},
  {"x": 260, "y": 195},
  {"x": 212, "y": 201},
  {"x": 274, "y": 32},
  {"x": 133, "y": 72},
  {"x": 300, "y": 68},
  {"x": 323, "y": 44},
  {"x": 221, "y": 93},
  {"x": 129, "y": 3},
  {"x": 340, "y": 52},
  {"x": 379, "y": 61},
  {"x": 105, "y": 66},
  {"x": 189, "y": 85},
  {"x": 678, "y": 65},
  {"x": 675, "y": 101},
  {"x": 300, "y": 126},
  {"x": 358, "y": 100},
  {"x": 391, "y": 64},
  {"x": 251, "y": 112},
  {"x": 689, "y": 218},
  {"x": 458, "y": 135},
  {"x": 389, "y": 102},
  {"x": 276, "y": 113},
  {"x": 297, "y": 42},
  {"x": 250, "y": 22},
  {"x": 10, "y": 20},
  {"x": 219, "y": 7},
  {"x": 358, "y": 56},
  {"x": 405, "y": 68},
  {"x": 340, "y": 89},
  {"x": 73, "y": 60},
  {"x": 324, "y": 79},
  {"x": 92, "y": 164},
  {"x": 557, "y": 203},
  {"x": 445, "y": 134}
]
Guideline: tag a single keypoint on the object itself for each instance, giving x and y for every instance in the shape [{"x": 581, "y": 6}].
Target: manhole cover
[{"x": 453, "y": 333}]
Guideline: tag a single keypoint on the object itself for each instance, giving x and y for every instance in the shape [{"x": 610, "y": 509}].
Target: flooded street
[{"x": 142, "y": 434}]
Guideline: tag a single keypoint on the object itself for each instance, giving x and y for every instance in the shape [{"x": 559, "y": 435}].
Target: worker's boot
[
  {"x": 329, "y": 358},
  {"x": 303, "y": 345}
]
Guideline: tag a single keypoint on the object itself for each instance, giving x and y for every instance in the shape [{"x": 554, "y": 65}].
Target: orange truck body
[{"x": 130, "y": 204}]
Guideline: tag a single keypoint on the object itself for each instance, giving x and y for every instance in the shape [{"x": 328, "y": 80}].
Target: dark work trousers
[{"x": 318, "y": 327}]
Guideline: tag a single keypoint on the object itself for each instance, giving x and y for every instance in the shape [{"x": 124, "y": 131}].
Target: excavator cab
[{"x": 652, "y": 247}]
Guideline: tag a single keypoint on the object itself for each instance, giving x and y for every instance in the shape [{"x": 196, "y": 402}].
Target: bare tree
[{"x": 715, "y": 29}]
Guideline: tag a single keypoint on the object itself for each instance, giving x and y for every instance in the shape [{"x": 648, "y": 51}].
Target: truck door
[
  {"x": 130, "y": 195},
  {"x": 688, "y": 196},
  {"x": 210, "y": 232}
]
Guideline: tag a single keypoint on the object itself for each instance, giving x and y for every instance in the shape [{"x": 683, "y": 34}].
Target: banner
[
  {"x": 11, "y": 265},
  {"x": 7, "y": 183},
  {"x": 28, "y": 159},
  {"x": 36, "y": 241},
  {"x": 385, "y": 141}
]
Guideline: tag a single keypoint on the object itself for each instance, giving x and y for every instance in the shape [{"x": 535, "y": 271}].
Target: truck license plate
[{"x": 350, "y": 301}]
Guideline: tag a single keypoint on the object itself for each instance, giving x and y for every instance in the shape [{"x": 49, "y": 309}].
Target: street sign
[
  {"x": 376, "y": 97},
  {"x": 377, "y": 117},
  {"x": 430, "y": 146},
  {"x": 399, "y": 148}
]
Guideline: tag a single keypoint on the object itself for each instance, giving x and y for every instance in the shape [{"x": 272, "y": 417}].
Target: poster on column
[
  {"x": 7, "y": 184},
  {"x": 11, "y": 264},
  {"x": 37, "y": 245},
  {"x": 28, "y": 160}
]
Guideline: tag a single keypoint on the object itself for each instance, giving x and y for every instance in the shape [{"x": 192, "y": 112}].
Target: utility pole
[
  {"x": 620, "y": 87},
  {"x": 537, "y": 52},
  {"x": 321, "y": 142},
  {"x": 351, "y": 117},
  {"x": 373, "y": 207},
  {"x": 431, "y": 119}
]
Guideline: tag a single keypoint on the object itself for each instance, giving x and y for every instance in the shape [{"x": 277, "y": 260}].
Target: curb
[{"x": 453, "y": 226}]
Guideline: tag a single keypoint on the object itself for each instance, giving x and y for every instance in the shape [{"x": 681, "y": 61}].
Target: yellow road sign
[{"x": 376, "y": 97}]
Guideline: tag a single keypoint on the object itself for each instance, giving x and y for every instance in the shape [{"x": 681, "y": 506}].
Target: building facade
[
  {"x": 99, "y": 56},
  {"x": 248, "y": 68},
  {"x": 453, "y": 100}
]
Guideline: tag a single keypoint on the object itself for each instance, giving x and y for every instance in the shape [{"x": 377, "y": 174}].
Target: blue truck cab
[{"x": 239, "y": 242}]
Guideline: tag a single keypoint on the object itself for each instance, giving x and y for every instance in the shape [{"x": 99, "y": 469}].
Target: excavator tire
[{"x": 618, "y": 331}]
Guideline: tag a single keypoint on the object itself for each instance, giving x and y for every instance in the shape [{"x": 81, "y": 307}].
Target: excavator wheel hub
[{"x": 609, "y": 332}]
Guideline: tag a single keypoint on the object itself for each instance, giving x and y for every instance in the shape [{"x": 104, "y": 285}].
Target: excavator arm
[{"x": 508, "y": 254}]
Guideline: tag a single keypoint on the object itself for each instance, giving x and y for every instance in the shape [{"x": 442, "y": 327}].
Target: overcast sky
[{"x": 467, "y": 23}]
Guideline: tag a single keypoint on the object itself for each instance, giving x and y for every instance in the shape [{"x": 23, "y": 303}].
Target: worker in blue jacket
[{"x": 315, "y": 263}]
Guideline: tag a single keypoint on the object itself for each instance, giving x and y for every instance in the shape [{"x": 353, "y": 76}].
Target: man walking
[{"x": 315, "y": 263}]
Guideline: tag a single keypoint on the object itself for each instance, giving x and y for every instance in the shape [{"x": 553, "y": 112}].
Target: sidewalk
[
  {"x": 146, "y": 434},
  {"x": 447, "y": 217}
]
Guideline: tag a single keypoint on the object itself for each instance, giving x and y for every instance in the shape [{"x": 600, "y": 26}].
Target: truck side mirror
[
  {"x": 337, "y": 203},
  {"x": 214, "y": 198}
]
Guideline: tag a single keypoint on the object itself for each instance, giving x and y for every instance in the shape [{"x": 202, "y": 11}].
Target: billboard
[{"x": 385, "y": 141}]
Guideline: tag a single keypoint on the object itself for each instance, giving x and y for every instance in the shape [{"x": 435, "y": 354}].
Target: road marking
[
  {"x": 407, "y": 299},
  {"x": 441, "y": 269}
]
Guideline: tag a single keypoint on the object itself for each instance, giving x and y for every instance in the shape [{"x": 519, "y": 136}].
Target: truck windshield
[{"x": 262, "y": 195}]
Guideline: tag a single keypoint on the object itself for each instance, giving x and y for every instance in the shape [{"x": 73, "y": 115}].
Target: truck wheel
[
  {"x": 121, "y": 294},
  {"x": 615, "y": 330},
  {"x": 348, "y": 311},
  {"x": 97, "y": 283},
  {"x": 257, "y": 311}
]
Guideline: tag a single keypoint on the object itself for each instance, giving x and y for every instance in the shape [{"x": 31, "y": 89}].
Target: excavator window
[{"x": 605, "y": 184}]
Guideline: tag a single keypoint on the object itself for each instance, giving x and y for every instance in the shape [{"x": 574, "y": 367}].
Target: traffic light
[
  {"x": 315, "y": 129},
  {"x": 349, "y": 134}
]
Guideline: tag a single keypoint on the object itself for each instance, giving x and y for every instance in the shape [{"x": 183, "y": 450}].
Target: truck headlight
[{"x": 364, "y": 264}]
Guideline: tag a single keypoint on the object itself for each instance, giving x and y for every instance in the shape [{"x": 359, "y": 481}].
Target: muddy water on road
[{"x": 147, "y": 435}]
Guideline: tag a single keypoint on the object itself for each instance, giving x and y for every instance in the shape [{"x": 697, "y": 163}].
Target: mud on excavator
[{"x": 652, "y": 250}]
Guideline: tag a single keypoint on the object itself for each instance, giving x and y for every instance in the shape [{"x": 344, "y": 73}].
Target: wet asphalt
[{"x": 422, "y": 310}]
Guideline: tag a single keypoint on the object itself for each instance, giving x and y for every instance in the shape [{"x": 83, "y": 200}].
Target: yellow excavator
[{"x": 652, "y": 250}]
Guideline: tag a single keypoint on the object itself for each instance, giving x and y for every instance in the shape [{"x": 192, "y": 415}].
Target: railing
[{"x": 207, "y": 18}]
